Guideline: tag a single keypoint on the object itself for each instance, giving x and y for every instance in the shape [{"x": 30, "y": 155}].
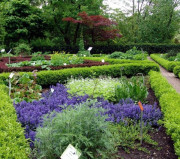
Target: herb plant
[{"x": 82, "y": 126}]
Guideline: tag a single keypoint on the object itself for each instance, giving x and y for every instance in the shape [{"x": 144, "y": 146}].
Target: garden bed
[
  {"x": 165, "y": 148},
  {"x": 5, "y": 60}
]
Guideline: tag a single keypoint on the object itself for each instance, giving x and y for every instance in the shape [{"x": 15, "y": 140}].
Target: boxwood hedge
[
  {"x": 176, "y": 70},
  {"x": 169, "y": 101},
  {"x": 169, "y": 65},
  {"x": 12, "y": 140}
]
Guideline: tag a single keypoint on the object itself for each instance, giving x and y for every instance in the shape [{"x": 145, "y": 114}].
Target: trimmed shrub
[
  {"x": 176, "y": 70},
  {"x": 169, "y": 101},
  {"x": 12, "y": 141},
  {"x": 117, "y": 61},
  {"x": 46, "y": 78},
  {"x": 22, "y": 49},
  {"x": 165, "y": 63}
]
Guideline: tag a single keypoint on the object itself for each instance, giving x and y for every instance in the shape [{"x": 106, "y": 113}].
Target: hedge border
[
  {"x": 176, "y": 71},
  {"x": 117, "y": 61},
  {"x": 46, "y": 78},
  {"x": 169, "y": 101},
  {"x": 169, "y": 65},
  {"x": 12, "y": 140}
]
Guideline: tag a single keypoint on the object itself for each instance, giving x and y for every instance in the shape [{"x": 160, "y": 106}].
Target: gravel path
[{"x": 174, "y": 81}]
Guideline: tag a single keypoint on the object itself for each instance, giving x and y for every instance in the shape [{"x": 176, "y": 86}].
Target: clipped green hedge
[
  {"x": 117, "y": 61},
  {"x": 176, "y": 70},
  {"x": 46, "y": 78},
  {"x": 169, "y": 65},
  {"x": 169, "y": 101},
  {"x": 12, "y": 140}
]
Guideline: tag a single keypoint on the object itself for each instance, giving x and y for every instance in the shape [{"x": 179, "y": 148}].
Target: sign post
[
  {"x": 71, "y": 153},
  {"x": 10, "y": 77}
]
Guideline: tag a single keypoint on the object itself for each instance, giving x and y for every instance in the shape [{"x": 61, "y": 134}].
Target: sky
[{"x": 118, "y": 4}]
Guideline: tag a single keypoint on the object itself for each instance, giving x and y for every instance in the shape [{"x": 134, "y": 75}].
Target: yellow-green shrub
[{"x": 12, "y": 140}]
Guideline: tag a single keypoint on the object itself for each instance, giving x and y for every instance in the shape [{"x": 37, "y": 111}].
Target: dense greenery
[
  {"x": 169, "y": 101},
  {"x": 40, "y": 24},
  {"x": 132, "y": 54},
  {"x": 169, "y": 65},
  {"x": 13, "y": 143}
]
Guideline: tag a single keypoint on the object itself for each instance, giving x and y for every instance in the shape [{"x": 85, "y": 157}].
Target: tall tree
[
  {"x": 55, "y": 11},
  {"x": 151, "y": 21},
  {"x": 98, "y": 27},
  {"x": 22, "y": 22}
]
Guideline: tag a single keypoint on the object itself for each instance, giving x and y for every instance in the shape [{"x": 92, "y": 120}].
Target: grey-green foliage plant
[
  {"x": 84, "y": 127},
  {"x": 133, "y": 88},
  {"x": 22, "y": 49}
]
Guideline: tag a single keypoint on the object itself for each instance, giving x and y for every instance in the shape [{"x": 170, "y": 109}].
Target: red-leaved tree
[{"x": 97, "y": 27}]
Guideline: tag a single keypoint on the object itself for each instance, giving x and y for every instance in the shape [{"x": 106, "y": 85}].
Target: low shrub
[
  {"x": 12, "y": 141},
  {"x": 63, "y": 59},
  {"x": 22, "y": 49},
  {"x": 83, "y": 127},
  {"x": 176, "y": 70},
  {"x": 165, "y": 63},
  {"x": 84, "y": 53},
  {"x": 117, "y": 61},
  {"x": 133, "y": 88},
  {"x": 46, "y": 78},
  {"x": 132, "y": 54},
  {"x": 37, "y": 56},
  {"x": 169, "y": 101}
]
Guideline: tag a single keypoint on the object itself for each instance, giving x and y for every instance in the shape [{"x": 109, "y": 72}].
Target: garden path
[{"x": 174, "y": 81}]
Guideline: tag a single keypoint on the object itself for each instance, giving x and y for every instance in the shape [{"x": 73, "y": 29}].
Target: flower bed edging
[{"x": 169, "y": 101}]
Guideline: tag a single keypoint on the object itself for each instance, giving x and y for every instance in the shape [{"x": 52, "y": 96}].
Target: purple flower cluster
[
  {"x": 127, "y": 109},
  {"x": 31, "y": 114}
]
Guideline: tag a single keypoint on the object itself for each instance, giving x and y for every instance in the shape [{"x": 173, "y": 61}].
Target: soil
[{"x": 165, "y": 144}]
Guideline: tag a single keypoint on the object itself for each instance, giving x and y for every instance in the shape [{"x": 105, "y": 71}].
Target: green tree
[
  {"x": 23, "y": 22},
  {"x": 148, "y": 21},
  {"x": 55, "y": 11}
]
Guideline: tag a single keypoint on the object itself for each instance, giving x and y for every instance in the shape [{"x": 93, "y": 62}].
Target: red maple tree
[{"x": 98, "y": 27}]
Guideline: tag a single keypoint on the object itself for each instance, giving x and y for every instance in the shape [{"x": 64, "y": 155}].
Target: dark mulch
[{"x": 165, "y": 144}]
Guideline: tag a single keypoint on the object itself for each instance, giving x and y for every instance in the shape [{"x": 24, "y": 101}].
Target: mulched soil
[{"x": 164, "y": 142}]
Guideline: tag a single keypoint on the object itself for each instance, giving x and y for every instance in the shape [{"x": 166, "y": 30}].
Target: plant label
[
  {"x": 103, "y": 60},
  {"x": 11, "y": 75},
  {"x": 3, "y": 50},
  {"x": 90, "y": 48},
  {"x": 70, "y": 153},
  {"x": 52, "y": 90}
]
